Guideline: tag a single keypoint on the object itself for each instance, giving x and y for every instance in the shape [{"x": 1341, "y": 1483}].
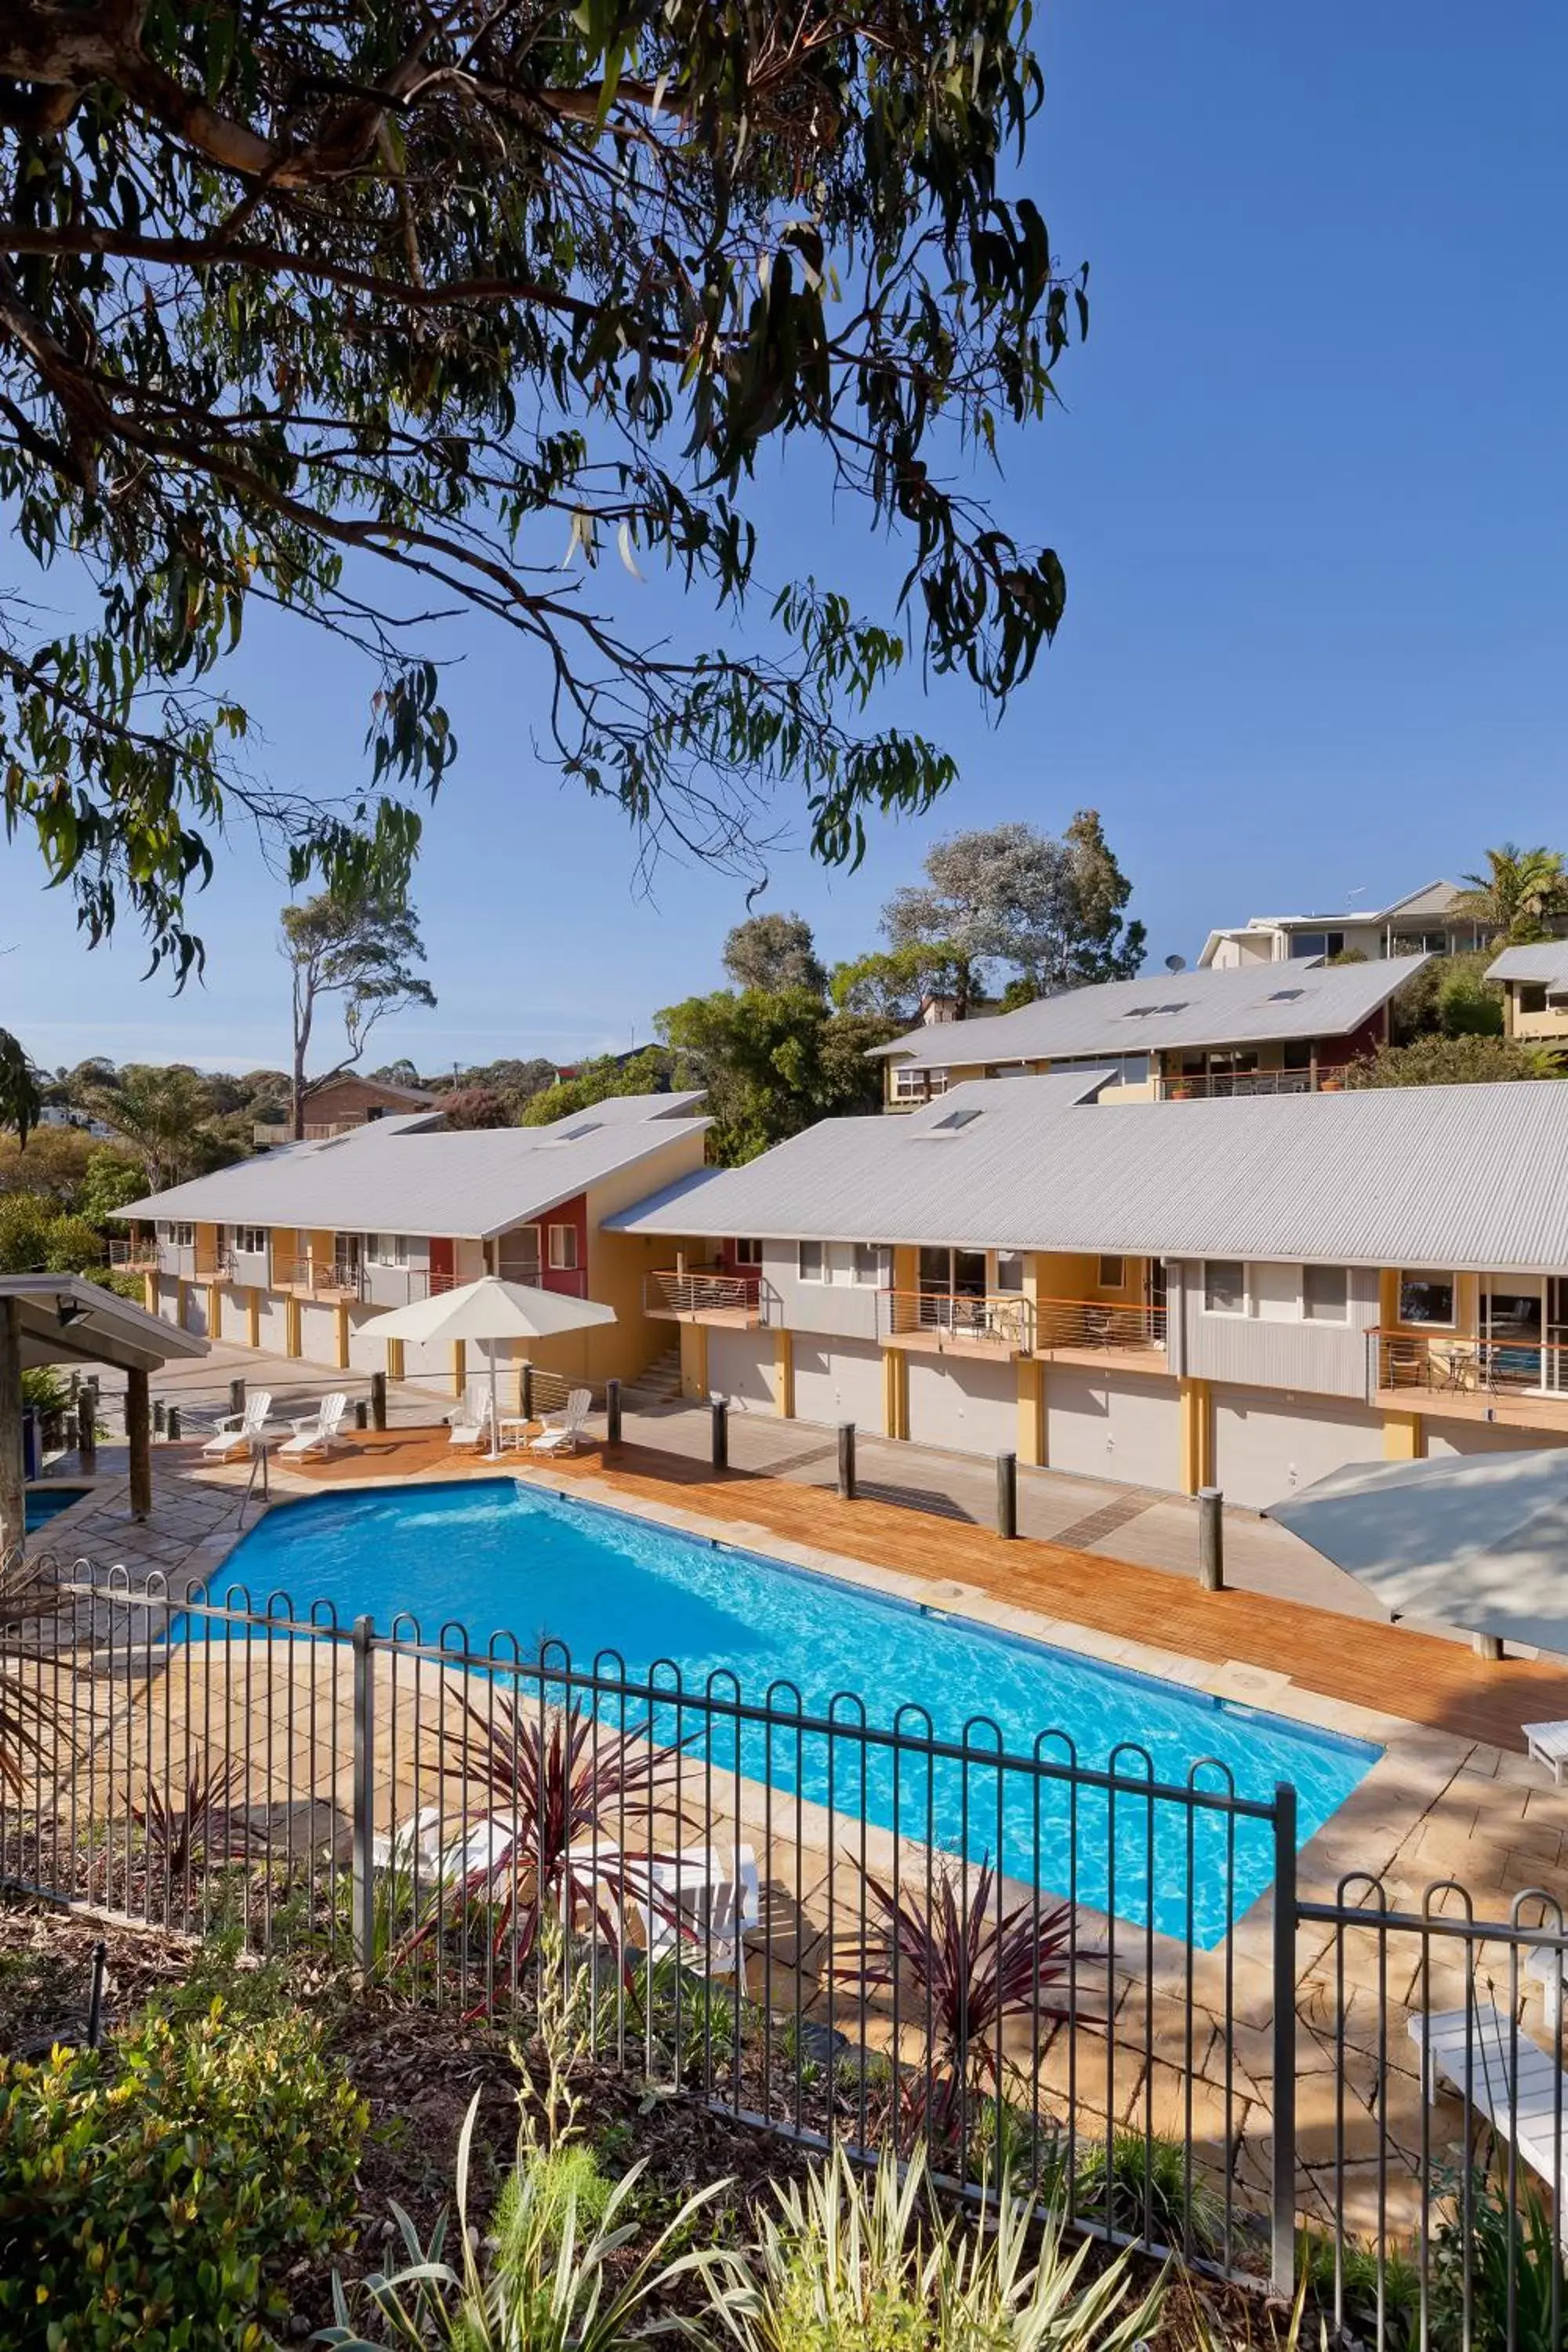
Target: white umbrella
[
  {"x": 1479, "y": 1540},
  {"x": 488, "y": 1310}
]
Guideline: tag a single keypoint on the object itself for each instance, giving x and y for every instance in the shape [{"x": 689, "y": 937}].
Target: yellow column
[
  {"x": 1031, "y": 1439},
  {"x": 253, "y": 1317},
  {"x": 694, "y": 1362},
  {"x": 1404, "y": 1437},
  {"x": 1196, "y": 1436},
  {"x": 180, "y": 1303},
  {"x": 395, "y": 1360},
  {"x": 459, "y": 1367},
  {"x": 150, "y": 1293},
  {"x": 783, "y": 1374},
  {"x": 215, "y": 1309},
  {"x": 291, "y": 1342},
  {"x": 895, "y": 1392},
  {"x": 342, "y": 1335}
]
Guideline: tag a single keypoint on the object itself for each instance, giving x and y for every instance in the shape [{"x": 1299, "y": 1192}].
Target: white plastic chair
[
  {"x": 235, "y": 1430},
  {"x": 564, "y": 1432},
  {"x": 317, "y": 1432},
  {"x": 471, "y": 1425},
  {"x": 699, "y": 1913}
]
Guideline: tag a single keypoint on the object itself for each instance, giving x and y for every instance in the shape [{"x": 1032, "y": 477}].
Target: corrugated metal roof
[
  {"x": 1253, "y": 1005},
  {"x": 1452, "y": 1176},
  {"x": 1547, "y": 961},
  {"x": 401, "y": 1176}
]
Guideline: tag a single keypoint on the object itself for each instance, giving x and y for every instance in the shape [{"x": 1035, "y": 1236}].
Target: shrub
[
  {"x": 142, "y": 2186},
  {"x": 1512, "y": 2251}
]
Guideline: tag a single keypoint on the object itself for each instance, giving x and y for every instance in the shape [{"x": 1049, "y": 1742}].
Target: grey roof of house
[
  {"x": 318, "y": 1087},
  {"x": 1258, "y": 1004},
  {"x": 1451, "y": 1177},
  {"x": 404, "y": 1176},
  {"x": 1547, "y": 961}
]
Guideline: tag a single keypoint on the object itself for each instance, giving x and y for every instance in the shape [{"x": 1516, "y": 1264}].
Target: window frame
[
  {"x": 1311, "y": 1314},
  {"x": 802, "y": 1274},
  {"x": 563, "y": 1236},
  {"x": 1234, "y": 1314},
  {"x": 746, "y": 1250},
  {"x": 876, "y": 1252},
  {"x": 1432, "y": 1279},
  {"x": 251, "y": 1241},
  {"x": 1530, "y": 997},
  {"x": 1119, "y": 1260}
]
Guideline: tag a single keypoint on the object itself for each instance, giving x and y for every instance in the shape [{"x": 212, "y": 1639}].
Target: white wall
[
  {"x": 1268, "y": 1448},
  {"x": 1112, "y": 1426},
  {"x": 839, "y": 1305},
  {"x": 964, "y": 1402},
  {"x": 838, "y": 1380},
  {"x": 741, "y": 1367}
]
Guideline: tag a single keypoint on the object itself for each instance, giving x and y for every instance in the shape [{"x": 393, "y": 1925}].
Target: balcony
[
  {"x": 706, "y": 1296},
  {"x": 1095, "y": 1331},
  {"x": 946, "y": 1322},
  {"x": 139, "y": 1256},
  {"x": 1519, "y": 1382},
  {"x": 1223, "y": 1084}
]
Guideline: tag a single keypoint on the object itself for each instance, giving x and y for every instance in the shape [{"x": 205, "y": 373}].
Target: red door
[{"x": 441, "y": 1267}]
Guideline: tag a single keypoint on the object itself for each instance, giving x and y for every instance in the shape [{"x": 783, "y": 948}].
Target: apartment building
[
  {"x": 1176, "y": 1036},
  {"x": 1534, "y": 983},
  {"x": 1248, "y": 1294},
  {"x": 296, "y": 1251},
  {"x": 1428, "y": 922}
]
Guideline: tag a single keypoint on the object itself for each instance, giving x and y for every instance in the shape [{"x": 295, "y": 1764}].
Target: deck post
[
  {"x": 1211, "y": 1538},
  {"x": 525, "y": 1390},
  {"x": 87, "y": 1431},
  {"x": 1283, "y": 2265},
  {"x": 12, "y": 1481},
  {"x": 719, "y": 1409},
  {"x": 138, "y": 1439},
  {"x": 363, "y": 1930},
  {"x": 611, "y": 1412},
  {"x": 846, "y": 1461},
  {"x": 1007, "y": 1495},
  {"x": 378, "y": 1400},
  {"x": 172, "y": 1424},
  {"x": 236, "y": 1396}
]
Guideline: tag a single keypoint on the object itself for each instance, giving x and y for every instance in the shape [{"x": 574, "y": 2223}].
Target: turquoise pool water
[
  {"x": 492, "y": 1555},
  {"x": 43, "y": 1504}
]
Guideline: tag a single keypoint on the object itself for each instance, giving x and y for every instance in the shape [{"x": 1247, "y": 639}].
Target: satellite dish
[{"x": 1175, "y": 963}]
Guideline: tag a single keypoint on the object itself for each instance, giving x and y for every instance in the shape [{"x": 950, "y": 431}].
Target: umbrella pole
[{"x": 495, "y": 1404}]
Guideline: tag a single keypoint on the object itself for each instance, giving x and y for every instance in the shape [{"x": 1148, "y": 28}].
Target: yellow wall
[
  {"x": 619, "y": 1262},
  {"x": 1031, "y": 1439},
  {"x": 1196, "y": 1439}
]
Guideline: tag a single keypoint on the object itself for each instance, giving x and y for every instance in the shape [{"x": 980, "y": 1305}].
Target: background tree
[
  {"x": 398, "y": 1074},
  {"x": 473, "y": 1106},
  {"x": 1519, "y": 894},
  {"x": 1439, "y": 1061},
  {"x": 774, "y": 951},
  {"x": 21, "y": 1095},
  {"x": 1450, "y": 996},
  {"x": 162, "y": 1113},
  {"x": 647, "y": 1073},
  {"x": 773, "y": 1062},
  {"x": 891, "y": 983},
  {"x": 359, "y": 948},
  {"x": 363, "y": 310}
]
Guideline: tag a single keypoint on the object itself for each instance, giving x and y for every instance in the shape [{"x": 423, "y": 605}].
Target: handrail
[
  {"x": 1004, "y": 1318},
  {"x": 706, "y": 1291},
  {"x": 1226, "y": 1085},
  {"x": 1466, "y": 1363},
  {"x": 1096, "y": 1323}
]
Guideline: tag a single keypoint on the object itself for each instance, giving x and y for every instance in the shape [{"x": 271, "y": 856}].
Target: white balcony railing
[
  {"x": 707, "y": 1294},
  {"x": 1002, "y": 1321},
  {"x": 1091, "y": 1325}
]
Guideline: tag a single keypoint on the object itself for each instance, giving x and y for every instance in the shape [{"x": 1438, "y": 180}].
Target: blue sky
[{"x": 1309, "y": 486}]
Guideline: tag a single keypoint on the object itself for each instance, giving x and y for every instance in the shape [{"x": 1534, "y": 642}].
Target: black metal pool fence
[{"x": 715, "y": 1888}]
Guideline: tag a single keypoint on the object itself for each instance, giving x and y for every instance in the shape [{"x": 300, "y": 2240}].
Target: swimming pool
[
  {"x": 494, "y": 1554},
  {"x": 43, "y": 1504}
]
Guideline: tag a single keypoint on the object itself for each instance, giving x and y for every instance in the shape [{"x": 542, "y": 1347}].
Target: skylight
[
  {"x": 952, "y": 1123},
  {"x": 1285, "y": 995},
  {"x": 1143, "y": 1011}
]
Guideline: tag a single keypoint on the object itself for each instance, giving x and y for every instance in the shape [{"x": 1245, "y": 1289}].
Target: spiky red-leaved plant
[{"x": 212, "y": 1816}]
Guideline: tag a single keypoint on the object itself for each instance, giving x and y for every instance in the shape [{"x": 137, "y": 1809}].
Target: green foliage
[
  {"x": 21, "y": 1098},
  {"x": 109, "y": 1181},
  {"x": 147, "y": 2189},
  {"x": 774, "y": 951},
  {"x": 1450, "y": 996},
  {"x": 643, "y": 1074},
  {"x": 475, "y": 1106},
  {"x": 773, "y": 1061},
  {"x": 163, "y": 1113},
  {"x": 1452, "y": 1061},
  {"x": 847, "y": 2263},
  {"x": 558, "y": 2278},
  {"x": 1362, "y": 2275},
  {"x": 1520, "y": 894},
  {"x": 1517, "y": 2237},
  {"x": 890, "y": 983},
  {"x": 1145, "y": 2191},
  {"x": 361, "y": 946},
  {"x": 35, "y": 1236},
  {"x": 365, "y": 315},
  {"x": 44, "y": 1389}
]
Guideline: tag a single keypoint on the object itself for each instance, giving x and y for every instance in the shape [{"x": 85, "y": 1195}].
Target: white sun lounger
[
  {"x": 235, "y": 1430},
  {"x": 563, "y": 1431},
  {"x": 702, "y": 1913},
  {"x": 317, "y": 1432},
  {"x": 1474, "y": 2050},
  {"x": 471, "y": 1425},
  {"x": 1548, "y": 1744}
]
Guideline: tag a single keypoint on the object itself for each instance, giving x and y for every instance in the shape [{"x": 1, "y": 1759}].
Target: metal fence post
[
  {"x": 719, "y": 1409},
  {"x": 1283, "y": 2265},
  {"x": 525, "y": 1392},
  {"x": 1211, "y": 1538},
  {"x": 611, "y": 1412},
  {"x": 378, "y": 1400},
  {"x": 846, "y": 1460},
  {"x": 172, "y": 1424},
  {"x": 364, "y": 1794},
  {"x": 1007, "y": 1495}
]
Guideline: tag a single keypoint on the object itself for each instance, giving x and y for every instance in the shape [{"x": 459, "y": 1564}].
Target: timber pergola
[{"x": 61, "y": 1319}]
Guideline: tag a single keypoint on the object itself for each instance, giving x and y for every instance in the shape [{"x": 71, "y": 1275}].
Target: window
[
  {"x": 1225, "y": 1286},
  {"x": 178, "y": 1237},
  {"x": 388, "y": 1249},
  {"x": 1113, "y": 1275},
  {"x": 868, "y": 1263},
  {"x": 908, "y": 1085},
  {"x": 1010, "y": 1270},
  {"x": 1305, "y": 945},
  {"x": 1427, "y": 1298},
  {"x": 250, "y": 1241},
  {"x": 562, "y": 1249},
  {"x": 813, "y": 1262},
  {"x": 1533, "y": 996},
  {"x": 1325, "y": 1294},
  {"x": 748, "y": 1253},
  {"x": 1297, "y": 1054}
]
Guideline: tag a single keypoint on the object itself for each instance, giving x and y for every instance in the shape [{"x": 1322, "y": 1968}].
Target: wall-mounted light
[{"x": 68, "y": 1310}]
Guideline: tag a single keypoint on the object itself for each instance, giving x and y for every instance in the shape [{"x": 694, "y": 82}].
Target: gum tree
[{"x": 373, "y": 310}]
